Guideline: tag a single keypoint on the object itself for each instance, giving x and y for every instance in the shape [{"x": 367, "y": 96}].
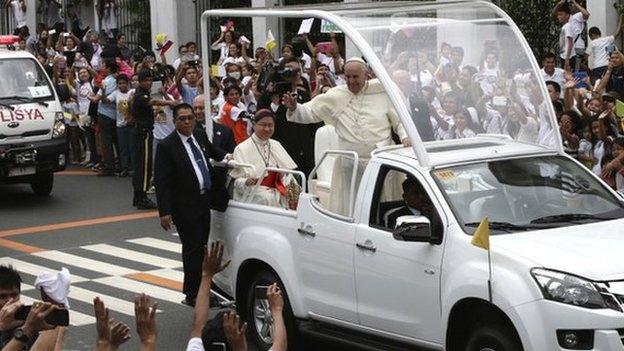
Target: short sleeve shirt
[
  {"x": 188, "y": 94},
  {"x": 108, "y": 109},
  {"x": 597, "y": 51}
]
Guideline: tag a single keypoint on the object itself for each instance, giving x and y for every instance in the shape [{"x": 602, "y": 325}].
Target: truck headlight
[
  {"x": 58, "y": 131},
  {"x": 573, "y": 290}
]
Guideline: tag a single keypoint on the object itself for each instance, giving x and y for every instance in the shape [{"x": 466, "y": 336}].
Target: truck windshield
[
  {"x": 526, "y": 194},
  {"x": 23, "y": 78}
]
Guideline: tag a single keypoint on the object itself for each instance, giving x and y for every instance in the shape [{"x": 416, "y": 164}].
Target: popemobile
[{"x": 480, "y": 235}]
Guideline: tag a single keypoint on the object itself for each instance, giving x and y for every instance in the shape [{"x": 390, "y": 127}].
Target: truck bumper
[
  {"x": 20, "y": 163},
  {"x": 537, "y": 323}
]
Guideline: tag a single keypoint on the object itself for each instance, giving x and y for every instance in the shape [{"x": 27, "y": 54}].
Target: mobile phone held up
[
  {"x": 610, "y": 49},
  {"x": 59, "y": 317},
  {"x": 261, "y": 292}
]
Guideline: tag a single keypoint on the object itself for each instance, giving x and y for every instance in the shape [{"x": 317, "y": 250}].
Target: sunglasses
[{"x": 185, "y": 118}]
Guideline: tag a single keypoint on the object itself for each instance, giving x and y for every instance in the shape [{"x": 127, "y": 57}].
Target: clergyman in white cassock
[{"x": 363, "y": 121}]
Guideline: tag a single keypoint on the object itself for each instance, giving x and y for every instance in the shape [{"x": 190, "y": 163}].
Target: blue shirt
[
  {"x": 188, "y": 94},
  {"x": 108, "y": 109}
]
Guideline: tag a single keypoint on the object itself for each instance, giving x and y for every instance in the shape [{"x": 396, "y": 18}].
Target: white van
[{"x": 32, "y": 132}]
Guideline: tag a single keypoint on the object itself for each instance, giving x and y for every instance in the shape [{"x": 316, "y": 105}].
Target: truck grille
[{"x": 27, "y": 134}]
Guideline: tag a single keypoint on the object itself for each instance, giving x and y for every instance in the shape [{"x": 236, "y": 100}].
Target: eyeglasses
[{"x": 185, "y": 118}]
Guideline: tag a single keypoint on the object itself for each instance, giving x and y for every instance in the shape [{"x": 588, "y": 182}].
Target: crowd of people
[
  {"x": 41, "y": 326},
  {"x": 123, "y": 109}
]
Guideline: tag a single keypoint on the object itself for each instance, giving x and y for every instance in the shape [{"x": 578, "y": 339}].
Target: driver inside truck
[{"x": 416, "y": 200}]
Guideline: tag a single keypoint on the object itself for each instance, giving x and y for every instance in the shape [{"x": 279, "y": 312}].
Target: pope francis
[{"x": 363, "y": 116}]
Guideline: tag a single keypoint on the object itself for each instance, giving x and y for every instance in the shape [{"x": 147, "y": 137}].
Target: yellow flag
[
  {"x": 160, "y": 38},
  {"x": 619, "y": 108},
  {"x": 271, "y": 42},
  {"x": 481, "y": 236}
]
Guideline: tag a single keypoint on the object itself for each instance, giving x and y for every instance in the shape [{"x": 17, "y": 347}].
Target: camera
[{"x": 268, "y": 74}]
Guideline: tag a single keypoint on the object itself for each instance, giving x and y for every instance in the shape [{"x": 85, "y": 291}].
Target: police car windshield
[
  {"x": 526, "y": 194},
  {"x": 24, "y": 78}
]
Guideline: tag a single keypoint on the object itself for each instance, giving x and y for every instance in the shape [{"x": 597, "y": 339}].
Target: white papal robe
[
  {"x": 363, "y": 122},
  {"x": 261, "y": 154}
]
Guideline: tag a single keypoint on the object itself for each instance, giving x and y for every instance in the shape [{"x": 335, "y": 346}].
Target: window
[
  {"x": 397, "y": 194},
  {"x": 526, "y": 193}
]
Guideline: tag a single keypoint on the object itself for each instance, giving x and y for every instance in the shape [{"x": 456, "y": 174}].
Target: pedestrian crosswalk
[{"x": 115, "y": 273}]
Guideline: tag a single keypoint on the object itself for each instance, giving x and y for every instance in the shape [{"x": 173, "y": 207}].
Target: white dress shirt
[{"x": 189, "y": 152}]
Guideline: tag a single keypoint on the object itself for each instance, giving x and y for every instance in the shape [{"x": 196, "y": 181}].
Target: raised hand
[
  {"x": 120, "y": 333},
  {"x": 145, "y": 314},
  {"x": 234, "y": 331},
  {"x": 213, "y": 260},
  {"x": 7, "y": 314},
  {"x": 289, "y": 101}
]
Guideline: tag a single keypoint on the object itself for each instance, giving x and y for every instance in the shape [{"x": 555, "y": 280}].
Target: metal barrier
[
  {"x": 7, "y": 20},
  {"x": 133, "y": 20}
]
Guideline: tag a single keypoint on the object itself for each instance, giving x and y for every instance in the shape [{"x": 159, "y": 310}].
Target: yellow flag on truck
[
  {"x": 271, "y": 42},
  {"x": 481, "y": 236}
]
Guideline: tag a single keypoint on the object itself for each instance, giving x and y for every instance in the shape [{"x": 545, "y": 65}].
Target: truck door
[
  {"x": 325, "y": 242},
  {"x": 398, "y": 282}
]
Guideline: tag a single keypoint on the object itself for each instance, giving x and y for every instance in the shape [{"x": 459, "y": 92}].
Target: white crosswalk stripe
[
  {"x": 158, "y": 244},
  {"x": 116, "y": 276},
  {"x": 33, "y": 269},
  {"x": 133, "y": 255},
  {"x": 85, "y": 263},
  {"x": 75, "y": 318},
  {"x": 140, "y": 287}
]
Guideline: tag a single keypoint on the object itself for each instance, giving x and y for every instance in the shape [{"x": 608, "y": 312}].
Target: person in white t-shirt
[
  {"x": 19, "y": 11},
  {"x": 550, "y": 72},
  {"x": 572, "y": 27},
  {"x": 597, "y": 53},
  {"x": 125, "y": 123}
]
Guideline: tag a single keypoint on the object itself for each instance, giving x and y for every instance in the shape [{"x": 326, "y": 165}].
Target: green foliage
[{"x": 534, "y": 19}]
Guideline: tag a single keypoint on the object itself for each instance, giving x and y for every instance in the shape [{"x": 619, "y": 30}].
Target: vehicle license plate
[{"x": 20, "y": 171}]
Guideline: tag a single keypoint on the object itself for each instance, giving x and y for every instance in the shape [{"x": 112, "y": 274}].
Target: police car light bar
[{"x": 8, "y": 39}]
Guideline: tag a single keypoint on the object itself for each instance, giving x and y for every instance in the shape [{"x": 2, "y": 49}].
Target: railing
[{"x": 7, "y": 20}]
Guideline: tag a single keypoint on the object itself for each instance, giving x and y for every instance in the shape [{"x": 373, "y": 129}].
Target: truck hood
[
  {"x": 27, "y": 122},
  {"x": 593, "y": 251}
]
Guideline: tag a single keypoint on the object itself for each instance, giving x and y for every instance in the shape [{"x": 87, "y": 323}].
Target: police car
[{"x": 32, "y": 132}]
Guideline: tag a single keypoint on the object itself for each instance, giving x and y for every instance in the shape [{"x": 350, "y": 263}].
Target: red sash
[{"x": 273, "y": 180}]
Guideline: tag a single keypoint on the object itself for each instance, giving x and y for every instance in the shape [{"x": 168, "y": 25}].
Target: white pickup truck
[
  {"x": 397, "y": 270},
  {"x": 32, "y": 128},
  {"x": 557, "y": 276}
]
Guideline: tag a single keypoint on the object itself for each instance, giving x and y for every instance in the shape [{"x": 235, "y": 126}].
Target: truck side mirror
[{"x": 413, "y": 229}]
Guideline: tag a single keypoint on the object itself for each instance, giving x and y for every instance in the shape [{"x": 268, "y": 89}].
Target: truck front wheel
[
  {"x": 42, "y": 184},
  {"x": 493, "y": 338},
  {"x": 256, "y": 311}
]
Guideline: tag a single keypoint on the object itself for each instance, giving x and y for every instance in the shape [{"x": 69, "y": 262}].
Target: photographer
[{"x": 297, "y": 139}]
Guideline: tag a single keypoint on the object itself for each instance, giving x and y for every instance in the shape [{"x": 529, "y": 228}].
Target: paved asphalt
[{"x": 29, "y": 241}]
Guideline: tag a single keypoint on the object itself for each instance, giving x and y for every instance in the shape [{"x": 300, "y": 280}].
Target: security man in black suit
[
  {"x": 187, "y": 188},
  {"x": 222, "y": 136},
  {"x": 143, "y": 113}
]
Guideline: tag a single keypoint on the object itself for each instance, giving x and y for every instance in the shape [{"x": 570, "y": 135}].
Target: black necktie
[{"x": 200, "y": 163}]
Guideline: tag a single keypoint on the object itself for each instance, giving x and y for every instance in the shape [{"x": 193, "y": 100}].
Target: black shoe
[
  {"x": 145, "y": 204},
  {"x": 123, "y": 174},
  {"x": 189, "y": 301}
]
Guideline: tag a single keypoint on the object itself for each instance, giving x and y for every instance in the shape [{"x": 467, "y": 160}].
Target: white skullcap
[
  {"x": 55, "y": 285},
  {"x": 358, "y": 60}
]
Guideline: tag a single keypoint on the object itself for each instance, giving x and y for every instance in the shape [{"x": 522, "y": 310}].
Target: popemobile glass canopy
[{"x": 453, "y": 69}]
